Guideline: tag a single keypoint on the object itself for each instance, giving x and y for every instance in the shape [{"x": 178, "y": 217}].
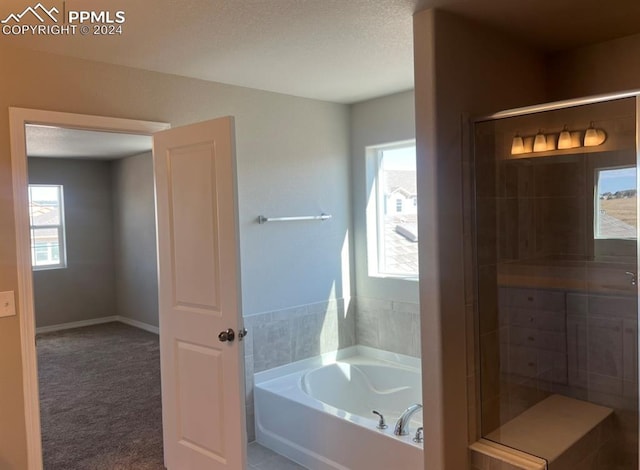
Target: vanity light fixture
[
  {"x": 594, "y": 137},
  {"x": 564, "y": 140},
  {"x": 540, "y": 142},
  {"x": 517, "y": 146},
  {"x": 551, "y": 141}
]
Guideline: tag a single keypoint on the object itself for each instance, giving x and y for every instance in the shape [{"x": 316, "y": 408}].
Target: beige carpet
[{"x": 100, "y": 399}]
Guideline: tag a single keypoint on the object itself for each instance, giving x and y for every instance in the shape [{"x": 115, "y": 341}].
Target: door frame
[{"x": 18, "y": 119}]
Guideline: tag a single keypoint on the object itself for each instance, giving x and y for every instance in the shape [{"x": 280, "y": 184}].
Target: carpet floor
[{"x": 100, "y": 399}]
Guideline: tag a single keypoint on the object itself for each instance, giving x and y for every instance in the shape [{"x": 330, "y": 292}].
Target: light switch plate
[{"x": 7, "y": 304}]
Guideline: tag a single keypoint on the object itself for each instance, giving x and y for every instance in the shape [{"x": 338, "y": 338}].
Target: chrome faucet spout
[{"x": 402, "y": 425}]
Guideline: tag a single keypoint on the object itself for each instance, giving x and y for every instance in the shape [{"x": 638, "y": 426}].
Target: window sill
[
  {"x": 47, "y": 268},
  {"x": 398, "y": 277}
]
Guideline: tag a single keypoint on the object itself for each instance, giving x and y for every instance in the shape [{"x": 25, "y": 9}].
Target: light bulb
[
  {"x": 564, "y": 140},
  {"x": 540, "y": 142},
  {"x": 517, "y": 146},
  {"x": 594, "y": 137},
  {"x": 590, "y": 137}
]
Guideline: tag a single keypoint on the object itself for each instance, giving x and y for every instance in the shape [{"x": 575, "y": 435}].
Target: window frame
[
  {"x": 375, "y": 208},
  {"x": 60, "y": 228},
  {"x": 596, "y": 211}
]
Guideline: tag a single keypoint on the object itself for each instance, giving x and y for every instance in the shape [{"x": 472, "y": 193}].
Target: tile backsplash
[{"x": 388, "y": 325}]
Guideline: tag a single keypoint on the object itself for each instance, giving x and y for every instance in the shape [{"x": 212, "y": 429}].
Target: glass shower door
[{"x": 556, "y": 266}]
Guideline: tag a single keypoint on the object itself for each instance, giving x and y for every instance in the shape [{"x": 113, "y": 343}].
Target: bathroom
[
  {"x": 557, "y": 302},
  {"x": 384, "y": 314},
  {"x": 450, "y": 339},
  {"x": 312, "y": 284}
]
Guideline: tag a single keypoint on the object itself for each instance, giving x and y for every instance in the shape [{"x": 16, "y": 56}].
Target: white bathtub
[{"x": 317, "y": 412}]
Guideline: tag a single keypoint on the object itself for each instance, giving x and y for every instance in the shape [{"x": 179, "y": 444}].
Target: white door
[{"x": 199, "y": 293}]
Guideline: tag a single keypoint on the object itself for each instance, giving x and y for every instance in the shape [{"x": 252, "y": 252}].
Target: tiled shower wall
[
  {"x": 388, "y": 325},
  {"x": 284, "y": 336}
]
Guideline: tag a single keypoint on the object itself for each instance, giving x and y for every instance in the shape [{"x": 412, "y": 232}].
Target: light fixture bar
[{"x": 566, "y": 139}]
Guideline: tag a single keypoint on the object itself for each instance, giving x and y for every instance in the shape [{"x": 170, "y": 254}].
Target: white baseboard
[
  {"x": 76, "y": 324},
  {"x": 138, "y": 324},
  {"x": 98, "y": 321}
]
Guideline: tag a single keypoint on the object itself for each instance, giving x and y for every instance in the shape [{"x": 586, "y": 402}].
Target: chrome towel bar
[{"x": 263, "y": 220}]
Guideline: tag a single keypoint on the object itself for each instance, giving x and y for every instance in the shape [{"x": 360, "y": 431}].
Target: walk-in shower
[{"x": 556, "y": 292}]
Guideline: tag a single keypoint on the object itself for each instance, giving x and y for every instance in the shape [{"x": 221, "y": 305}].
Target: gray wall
[
  {"x": 374, "y": 122},
  {"x": 136, "y": 275},
  {"x": 386, "y": 309},
  {"x": 85, "y": 288},
  {"x": 294, "y": 162}
]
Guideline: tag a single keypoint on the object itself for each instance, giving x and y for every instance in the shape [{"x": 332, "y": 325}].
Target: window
[
  {"x": 392, "y": 222},
  {"x": 46, "y": 214},
  {"x": 615, "y": 214}
]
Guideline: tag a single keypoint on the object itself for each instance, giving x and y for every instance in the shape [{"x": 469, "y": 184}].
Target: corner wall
[
  {"x": 462, "y": 69},
  {"x": 387, "y": 311},
  {"x": 376, "y": 122},
  {"x": 85, "y": 289},
  {"x": 134, "y": 226}
]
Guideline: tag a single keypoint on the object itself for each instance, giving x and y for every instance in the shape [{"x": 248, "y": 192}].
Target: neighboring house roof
[
  {"x": 404, "y": 180},
  {"x": 402, "y": 191},
  {"x": 403, "y": 253},
  {"x": 44, "y": 214}
]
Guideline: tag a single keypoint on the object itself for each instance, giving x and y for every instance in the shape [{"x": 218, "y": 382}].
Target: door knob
[{"x": 227, "y": 335}]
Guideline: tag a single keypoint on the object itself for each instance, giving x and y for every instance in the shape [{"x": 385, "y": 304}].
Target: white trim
[
  {"x": 59, "y": 227},
  {"x": 99, "y": 321},
  {"x": 76, "y": 324},
  {"x": 538, "y": 108},
  {"x": 374, "y": 216},
  {"x": 508, "y": 455},
  {"x": 18, "y": 119},
  {"x": 138, "y": 324},
  {"x": 25, "y": 291}
]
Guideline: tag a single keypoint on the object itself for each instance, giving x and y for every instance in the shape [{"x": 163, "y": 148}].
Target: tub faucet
[
  {"x": 381, "y": 422},
  {"x": 402, "y": 424}
]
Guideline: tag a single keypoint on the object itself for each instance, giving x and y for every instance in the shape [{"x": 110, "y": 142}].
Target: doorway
[
  {"x": 93, "y": 241},
  {"x": 19, "y": 119},
  {"x": 198, "y": 267}
]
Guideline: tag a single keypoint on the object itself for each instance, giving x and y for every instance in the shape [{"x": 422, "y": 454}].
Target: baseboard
[
  {"x": 98, "y": 321},
  {"x": 138, "y": 324},
  {"x": 76, "y": 324}
]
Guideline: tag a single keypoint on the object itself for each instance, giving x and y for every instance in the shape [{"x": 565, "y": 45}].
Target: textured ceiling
[
  {"x": 55, "y": 142},
  {"x": 335, "y": 50}
]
